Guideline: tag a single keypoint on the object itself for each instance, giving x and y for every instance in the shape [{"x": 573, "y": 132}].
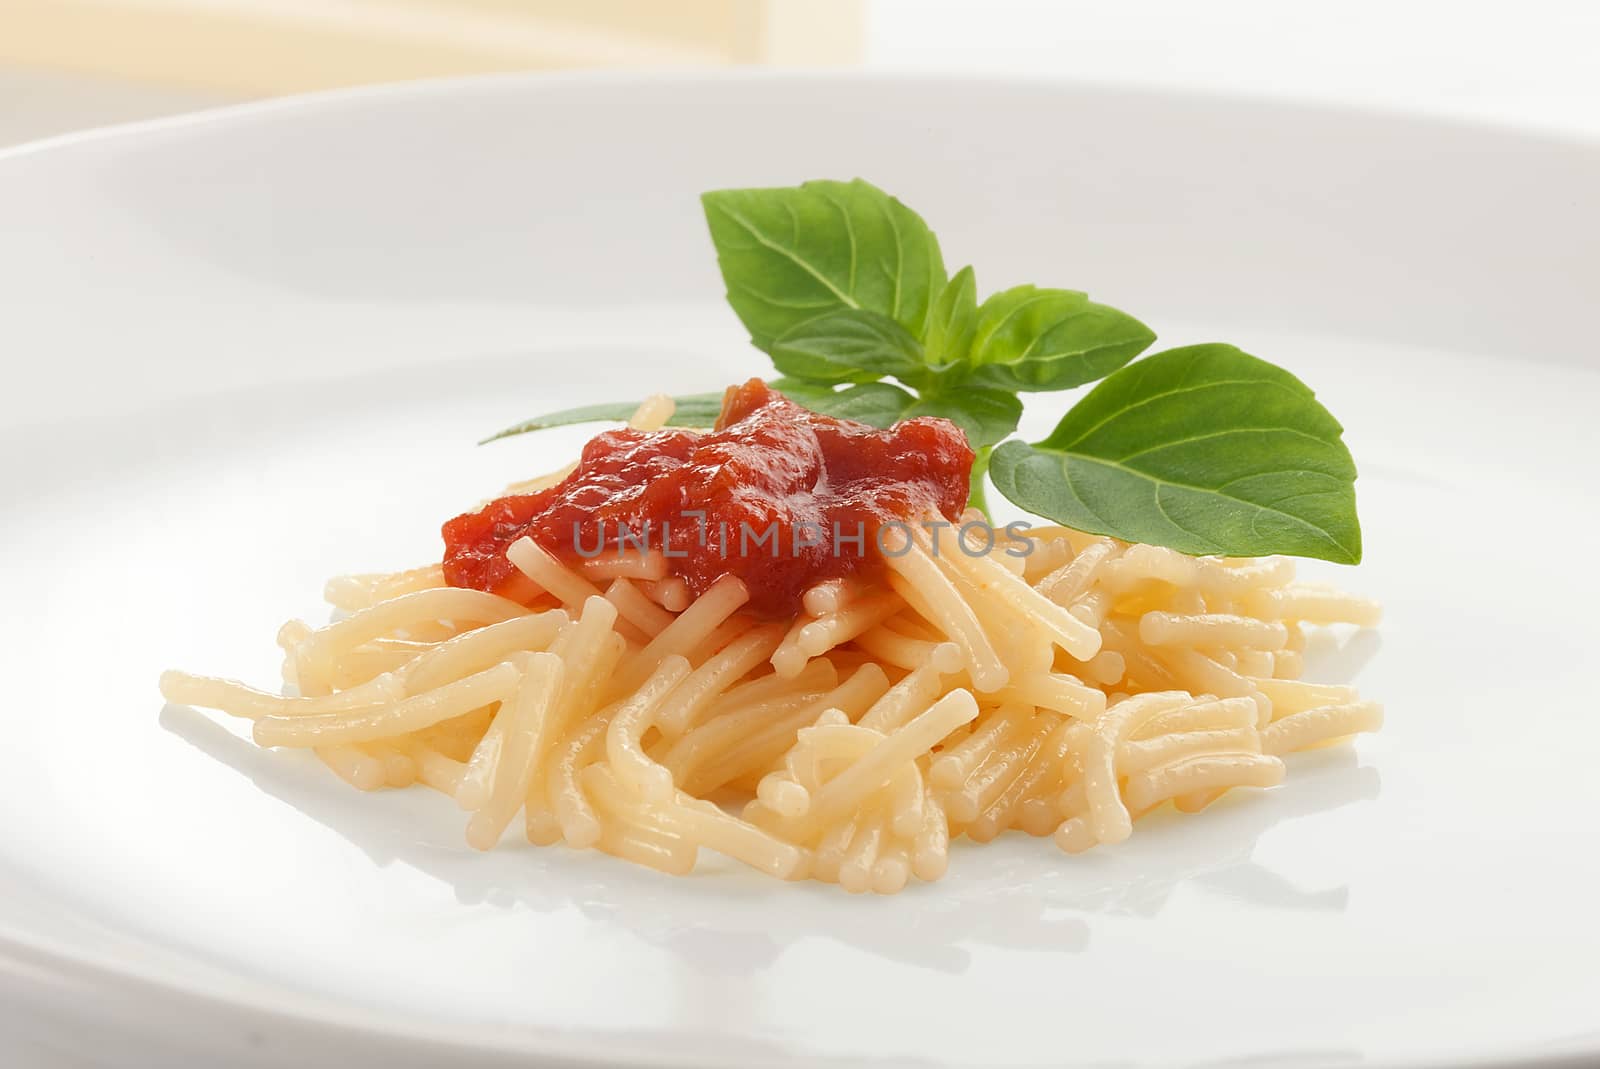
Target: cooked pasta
[{"x": 1066, "y": 691}]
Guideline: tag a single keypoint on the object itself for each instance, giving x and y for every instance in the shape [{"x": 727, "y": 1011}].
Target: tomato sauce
[{"x": 775, "y": 494}]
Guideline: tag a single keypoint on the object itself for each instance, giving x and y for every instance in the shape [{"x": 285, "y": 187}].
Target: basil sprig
[{"x": 1204, "y": 449}]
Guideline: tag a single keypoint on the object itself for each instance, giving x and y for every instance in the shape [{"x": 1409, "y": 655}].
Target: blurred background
[{"x": 70, "y": 64}]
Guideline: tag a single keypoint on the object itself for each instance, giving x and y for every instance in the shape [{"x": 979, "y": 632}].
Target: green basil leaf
[
  {"x": 848, "y": 345},
  {"x": 876, "y": 403},
  {"x": 793, "y": 253},
  {"x": 1204, "y": 449},
  {"x": 1029, "y": 338},
  {"x": 986, "y": 415},
  {"x": 952, "y": 321},
  {"x": 801, "y": 392},
  {"x": 692, "y": 410}
]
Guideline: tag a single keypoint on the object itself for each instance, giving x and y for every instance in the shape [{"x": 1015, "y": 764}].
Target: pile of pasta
[{"x": 1064, "y": 688}]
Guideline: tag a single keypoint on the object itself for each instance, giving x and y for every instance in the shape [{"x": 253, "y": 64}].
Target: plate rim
[{"x": 288, "y": 105}]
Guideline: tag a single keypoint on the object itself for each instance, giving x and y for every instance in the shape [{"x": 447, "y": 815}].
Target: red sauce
[{"x": 768, "y": 465}]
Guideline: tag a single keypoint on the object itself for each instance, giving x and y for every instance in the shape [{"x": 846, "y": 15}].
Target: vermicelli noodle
[{"x": 1064, "y": 691}]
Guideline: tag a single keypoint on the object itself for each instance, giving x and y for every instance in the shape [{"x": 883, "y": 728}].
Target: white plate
[{"x": 249, "y": 350}]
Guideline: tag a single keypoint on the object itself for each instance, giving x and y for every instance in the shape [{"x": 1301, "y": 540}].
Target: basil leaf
[
  {"x": 986, "y": 415},
  {"x": 1029, "y": 338},
  {"x": 793, "y": 253},
  {"x": 876, "y": 403},
  {"x": 1204, "y": 449},
  {"x": 801, "y": 392},
  {"x": 952, "y": 321},
  {"x": 692, "y": 410},
  {"x": 849, "y": 345}
]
